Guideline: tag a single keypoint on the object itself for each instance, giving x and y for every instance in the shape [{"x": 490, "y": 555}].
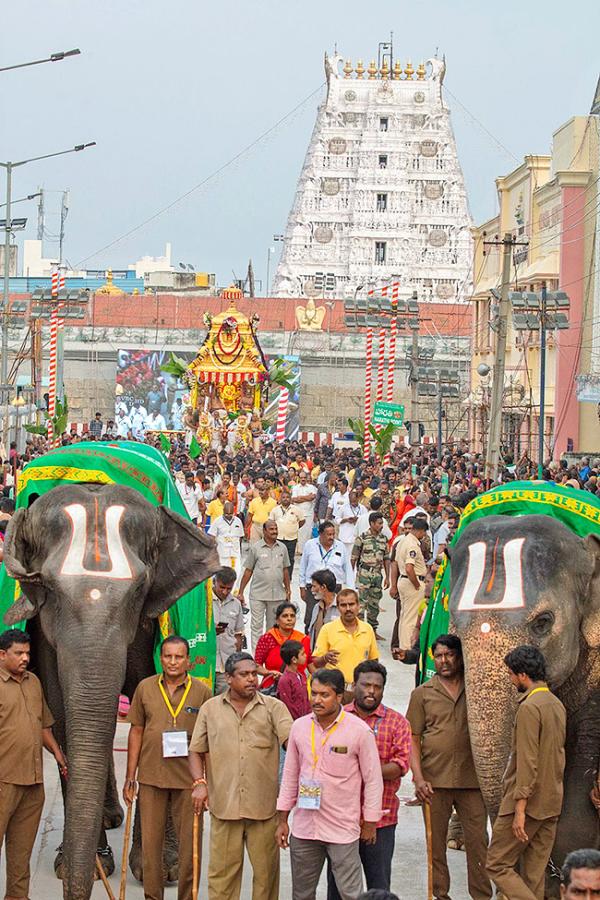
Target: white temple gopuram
[{"x": 381, "y": 196}]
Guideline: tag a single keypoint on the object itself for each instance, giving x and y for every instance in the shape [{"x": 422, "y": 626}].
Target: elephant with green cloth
[
  {"x": 97, "y": 563},
  {"x": 530, "y": 580}
]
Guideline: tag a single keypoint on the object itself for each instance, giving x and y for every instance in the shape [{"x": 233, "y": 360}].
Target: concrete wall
[{"x": 332, "y": 391}]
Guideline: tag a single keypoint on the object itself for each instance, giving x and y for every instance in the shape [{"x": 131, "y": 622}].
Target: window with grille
[{"x": 380, "y": 252}]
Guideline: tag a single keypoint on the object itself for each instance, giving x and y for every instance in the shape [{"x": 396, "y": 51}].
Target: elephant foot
[
  {"x": 135, "y": 860},
  {"x": 105, "y": 855},
  {"x": 170, "y": 865},
  {"x": 107, "y": 861},
  {"x": 59, "y": 868},
  {"x": 454, "y": 844},
  {"x": 113, "y": 816},
  {"x": 171, "y": 871}
]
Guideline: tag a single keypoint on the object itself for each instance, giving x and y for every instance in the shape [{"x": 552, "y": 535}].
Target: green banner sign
[{"x": 388, "y": 414}]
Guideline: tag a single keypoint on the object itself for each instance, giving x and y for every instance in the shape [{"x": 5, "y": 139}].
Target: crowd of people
[{"x": 309, "y": 539}]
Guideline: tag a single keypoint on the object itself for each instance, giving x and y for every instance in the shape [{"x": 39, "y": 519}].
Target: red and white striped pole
[
  {"x": 368, "y": 389},
  {"x": 392, "y": 347},
  {"x": 392, "y": 353},
  {"x": 380, "y": 368},
  {"x": 282, "y": 409}
]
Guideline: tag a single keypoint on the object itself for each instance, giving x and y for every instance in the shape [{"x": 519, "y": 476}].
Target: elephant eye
[{"x": 542, "y": 624}]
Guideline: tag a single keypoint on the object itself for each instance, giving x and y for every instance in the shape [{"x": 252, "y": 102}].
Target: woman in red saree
[
  {"x": 267, "y": 654},
  {"x": 402, "y": 507}
]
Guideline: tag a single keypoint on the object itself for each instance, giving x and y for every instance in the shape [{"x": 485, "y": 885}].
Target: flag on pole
[
  {"x": 165, "y": 443},
  {"x": 194, "y": 447}
]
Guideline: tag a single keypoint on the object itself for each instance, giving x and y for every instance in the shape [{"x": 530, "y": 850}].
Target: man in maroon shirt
[{"x": 393, "y": 739}]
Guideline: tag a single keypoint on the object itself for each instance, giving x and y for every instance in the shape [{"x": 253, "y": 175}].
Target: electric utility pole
[{"x": 495, "y": 426}]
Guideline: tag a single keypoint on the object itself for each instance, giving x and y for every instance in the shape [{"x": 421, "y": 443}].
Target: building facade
[
  {"x": 549, "y": 205},
  {"x": 381, "y": 195}
]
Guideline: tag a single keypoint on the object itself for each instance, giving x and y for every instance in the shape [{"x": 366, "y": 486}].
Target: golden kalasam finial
[
  {"x": 385, "y": 69},
  {"x": 397, "y": 70},
  {"x": 360, "y": 69},
  {"x": 421, "y": 71},
  {"x": 372, "y": 70},
  {"x": 347, "y": 70},
  {"x": 409, "y": 71}
]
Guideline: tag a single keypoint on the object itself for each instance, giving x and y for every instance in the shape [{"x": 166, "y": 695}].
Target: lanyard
[
  {"x": 536, "y": 690},
  {"x": 325, "y": 556},
  {"x": 175, "y": 712},
  {"x": 324, "y": 740}
]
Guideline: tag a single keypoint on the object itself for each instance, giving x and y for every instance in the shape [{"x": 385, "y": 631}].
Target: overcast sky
[{"x": 173, "y": 89}]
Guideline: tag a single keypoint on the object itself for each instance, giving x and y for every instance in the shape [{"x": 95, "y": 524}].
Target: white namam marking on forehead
[
  {"x": 512, "y": 557},
  {"x": 73, "y": 562}
]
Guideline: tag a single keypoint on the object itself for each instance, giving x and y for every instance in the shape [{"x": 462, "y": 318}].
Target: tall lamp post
[{"x": 9, "y": 166}]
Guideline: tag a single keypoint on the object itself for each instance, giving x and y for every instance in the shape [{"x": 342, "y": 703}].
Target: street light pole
[
  {"x": 271, "y": 250},
  {"x": 9, "y": 166}
]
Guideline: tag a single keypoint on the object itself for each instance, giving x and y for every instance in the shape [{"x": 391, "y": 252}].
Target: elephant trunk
[
  {"x": 91, "y": 701},
  {"x": 491, "y": 702}
]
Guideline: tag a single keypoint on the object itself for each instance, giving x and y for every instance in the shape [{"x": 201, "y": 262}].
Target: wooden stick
[
  {"x": 104, "y": 879},
  {"x": 427, "y": 810},
  {"x": 123, "y": 884},
  {"x": 195, "y": 857}
]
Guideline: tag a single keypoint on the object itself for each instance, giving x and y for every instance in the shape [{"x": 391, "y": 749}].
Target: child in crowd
[{"x": 291, "y": 688}]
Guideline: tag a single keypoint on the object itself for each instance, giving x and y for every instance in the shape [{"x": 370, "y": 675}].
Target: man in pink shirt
[{"x": 332, "y": 777}]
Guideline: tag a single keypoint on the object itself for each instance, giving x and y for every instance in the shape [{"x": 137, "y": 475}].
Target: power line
[
  {"x": 206, "y": 180},
  {"x": 481, "y": 125}
]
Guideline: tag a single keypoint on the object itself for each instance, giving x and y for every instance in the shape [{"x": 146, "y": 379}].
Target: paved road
[{"x": 409, "y": 870}]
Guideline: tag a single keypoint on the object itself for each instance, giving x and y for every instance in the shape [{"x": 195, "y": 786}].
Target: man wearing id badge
[
  {"x": 332, "y": 780},
  {"x": 162, "y": 716}
]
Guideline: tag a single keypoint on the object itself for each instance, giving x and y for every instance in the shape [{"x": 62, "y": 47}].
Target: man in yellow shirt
[
  {"x": 345, "y": 642},
  {"x": 258, "y": 513},
  {"x": 215, "y": 508}
]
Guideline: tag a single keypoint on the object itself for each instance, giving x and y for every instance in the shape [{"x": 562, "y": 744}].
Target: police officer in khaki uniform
[
  {"x": 370, "y": 555},
  {"x": 162, "y": 716},
  {"x": 525, "y": 827},
  {"x": 25, "y": 726},
  {"x": 411, "y": 582}
]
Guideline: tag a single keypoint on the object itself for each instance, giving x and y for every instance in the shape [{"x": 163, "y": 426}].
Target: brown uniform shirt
[
  {"x": 149, "y": 710},
  {"x": 23, "y": 714},
  {"x": 243, "y": 755},
  {"x": 537, "y": 759},
  {"x": 441, "y": 723},
  {"x": 409, "y": 551}
]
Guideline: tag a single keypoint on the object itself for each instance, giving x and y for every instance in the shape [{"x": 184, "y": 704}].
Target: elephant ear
[
  {"x": 17, "y": 556},
  {"x": 590, "y": 622},
  {"x": 184, "y": 555}
]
